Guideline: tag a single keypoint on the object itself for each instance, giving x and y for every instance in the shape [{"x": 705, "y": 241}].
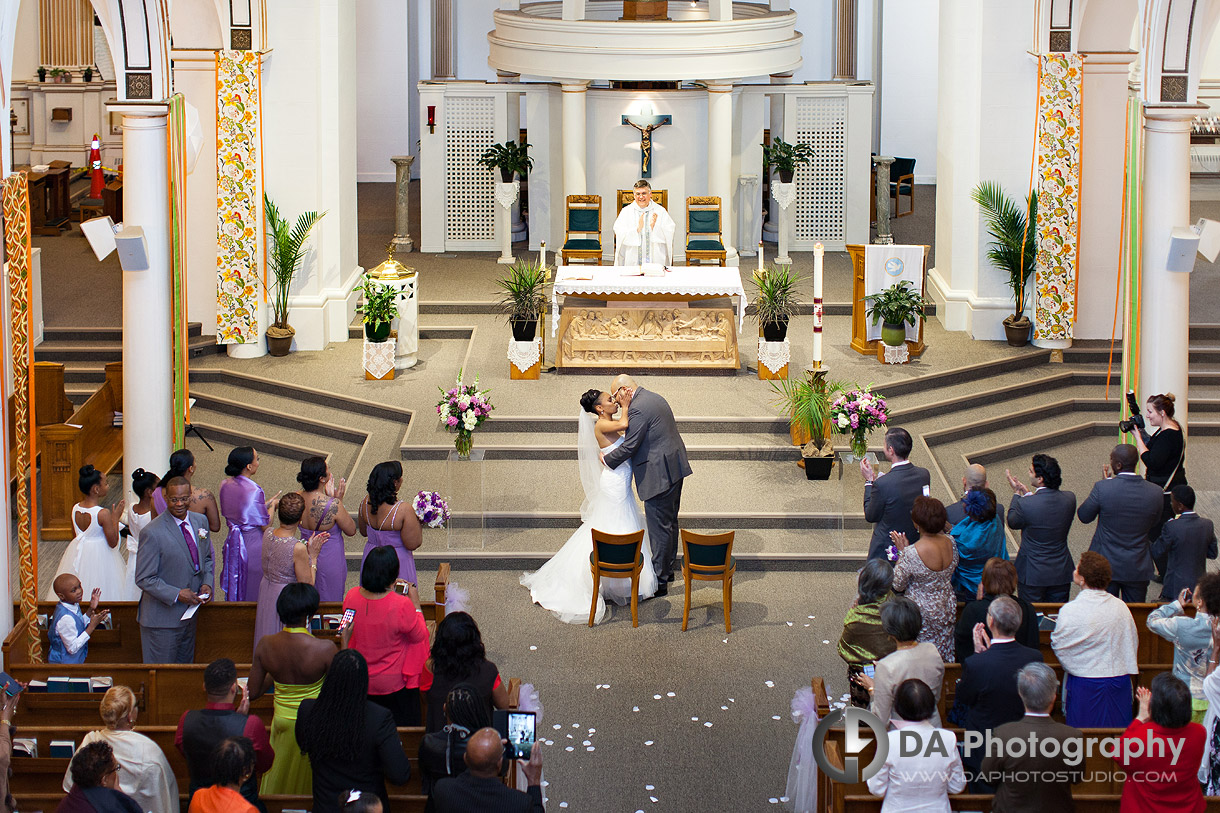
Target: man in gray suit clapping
[{"x": 658, "y": 455}]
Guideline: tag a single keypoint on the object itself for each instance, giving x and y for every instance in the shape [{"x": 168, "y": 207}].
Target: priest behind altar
[{"x": 644, "y": 231}]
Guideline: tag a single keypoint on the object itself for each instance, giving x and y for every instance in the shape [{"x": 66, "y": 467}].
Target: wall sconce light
[{"x": 431, "y": 118}]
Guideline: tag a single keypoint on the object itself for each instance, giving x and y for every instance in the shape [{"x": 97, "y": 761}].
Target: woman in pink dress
[
  {"x": 386, "y": 520},
  {"x": 248, "y": 512}
]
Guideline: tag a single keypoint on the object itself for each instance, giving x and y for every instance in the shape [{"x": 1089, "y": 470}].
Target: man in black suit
[
  {"x": 1126, "y": 507},
  {"x": 1042, "y": 778},
  {"x": 888, "y": 497},
  {"x": 987, "y": 692},
  {"x": 1043, "y": 514},
  {"x": 1185, "y": 543},
  {"x": 975, "y": 477},
  {"x": 479, "y": 787}
]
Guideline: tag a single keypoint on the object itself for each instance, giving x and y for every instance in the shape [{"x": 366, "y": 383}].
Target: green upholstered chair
[
  {"x": 704, "y": 236},
  {"x": 617, "y": 556},
  {"x": 902, "y": 182},
  {"x": 708, "y": 557},
  {"x": 582, "y": 239}
]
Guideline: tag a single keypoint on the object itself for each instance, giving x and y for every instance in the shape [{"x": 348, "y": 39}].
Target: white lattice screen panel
[
  {"x": 470, "y": 200},
  {"x": 821, "y": 202}
]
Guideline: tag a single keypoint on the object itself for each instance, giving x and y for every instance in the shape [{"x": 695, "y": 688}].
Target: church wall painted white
[
  {"x": 385, "y": 61},
  {"x": 909, "y": 84}
]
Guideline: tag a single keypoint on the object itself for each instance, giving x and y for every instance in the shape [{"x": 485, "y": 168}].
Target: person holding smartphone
[{"x": 1191, "y": 636}]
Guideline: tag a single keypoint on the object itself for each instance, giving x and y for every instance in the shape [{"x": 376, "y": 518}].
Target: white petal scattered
[
  {"x": 726, "y": 640},
  {"x": 586, "y": 742},
  {"x": 654, "y": 799},
  {"x": 557, "y": 726},
  {"x": 533, "y": 649},
  {"x": 806, "y": 625},
  {"x": 649, "y": 787},
  {"x": 775, "y": 717},
  {"x": 550, "y": 742},
  {"x": 605, "y": 685},
  {"x": 563, "y": 804},
  {"x": 709, "y": 725},
  {"x": 592, "y": 730},
  {"x": 724, "y": 708},
  {"x": 591, "y": 748},
  {"x": 575, "y": 725},
  {"x": 670, "y": 694},
  {"x": 656, "y": 697},
  {"x": 731, "y": 700},
  {"x": 635, "y": 708},
  {"x": 773, "y": 800},
  {"x": 811, "y": 616},
  {"x": 545, "y": 784},
  {"x": 783, "y": 799},
  {"x": 825, "y": 641},
  {"x": 648, "y": 742},
  {"x": 770, "y": 684},
  {"x": 789, "y": 623},
  {"x": 569, "y": 748}
]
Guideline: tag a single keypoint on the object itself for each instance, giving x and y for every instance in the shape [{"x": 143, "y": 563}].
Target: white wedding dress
[{"x": 564, "y": 585}]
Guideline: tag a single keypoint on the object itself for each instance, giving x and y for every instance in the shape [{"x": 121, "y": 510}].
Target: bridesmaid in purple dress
[
  {"x": 248, "y": 512},
  {"x": 287, "y": 558},
  {"x": 325, "y": 513},
  {"x": 182, "y": 464},
  {"x": 386, "y": 520}
]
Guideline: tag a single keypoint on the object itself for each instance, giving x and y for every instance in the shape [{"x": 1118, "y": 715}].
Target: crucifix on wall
[{"x": 645, "y": 122}]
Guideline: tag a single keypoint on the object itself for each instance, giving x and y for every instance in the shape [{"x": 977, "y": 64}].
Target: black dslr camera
[{"x": 1136, "y": 421}]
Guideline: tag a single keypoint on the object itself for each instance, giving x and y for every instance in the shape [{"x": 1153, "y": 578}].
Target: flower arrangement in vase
[
  {"x": 431, "y": 509},
  {"x": 462, "y": 409},
  {"x": 858, "y": 412}
]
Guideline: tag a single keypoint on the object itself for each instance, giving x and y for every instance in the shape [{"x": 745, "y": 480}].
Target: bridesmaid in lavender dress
[
  {"x": 325, "y": 512},
  {"x": 182, "y": 464},
  {"x": 386, "y": 520},
  {"x": 287, "y": 558},
  {"x": 248, "y": 512}
]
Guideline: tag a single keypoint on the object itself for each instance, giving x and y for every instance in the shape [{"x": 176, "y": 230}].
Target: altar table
[{"x": 647, "y": 320}]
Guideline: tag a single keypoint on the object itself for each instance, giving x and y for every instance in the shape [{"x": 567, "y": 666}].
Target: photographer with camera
[{"x": 1163, "y": 453}]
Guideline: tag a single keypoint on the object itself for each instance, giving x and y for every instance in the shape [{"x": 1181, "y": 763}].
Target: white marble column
[
  {"x": 720, "y": 155},
  {"x": 1165, "y": 295},
  {"x": 574, "y": 144},
  {"x": 573, "y": 9},
  {"x": 147, "y": 329}
]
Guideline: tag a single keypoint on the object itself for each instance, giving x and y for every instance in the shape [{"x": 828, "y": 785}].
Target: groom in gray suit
[
  {"x": 658, "y": 456},
  {"x": 174, "y": 571}
]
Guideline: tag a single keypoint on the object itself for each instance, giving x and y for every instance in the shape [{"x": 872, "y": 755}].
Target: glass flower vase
[
  {"x": 859, "y": 444},
  {"x": 463, "y": 443}
]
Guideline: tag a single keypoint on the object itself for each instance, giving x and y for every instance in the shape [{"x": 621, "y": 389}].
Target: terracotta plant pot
[
  {"x": 893, "y": 335},
  {"x": 1017, "y": 330}
]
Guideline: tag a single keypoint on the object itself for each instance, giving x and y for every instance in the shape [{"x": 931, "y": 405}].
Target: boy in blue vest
[{"x": 70, "y": 629}]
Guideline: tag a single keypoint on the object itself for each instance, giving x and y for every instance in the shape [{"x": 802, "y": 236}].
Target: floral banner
[
  {"x": 1060, "y": 90},
  {"x": 21, "y": 294},
  {"x": 238, "y": 196}
]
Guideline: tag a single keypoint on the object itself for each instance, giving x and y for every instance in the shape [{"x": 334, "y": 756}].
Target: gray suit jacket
[
  {"x": 1185, "y": 541},
  {"x": 163, "y": 567},
  {"x": 653, "y": 445},
  {"x": 1128, "y": 507},
  {"x": 1043, "y": 518},
  {"x": 888, "y": 501}
]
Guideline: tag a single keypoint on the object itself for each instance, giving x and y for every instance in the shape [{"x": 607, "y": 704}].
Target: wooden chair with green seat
[
  {"x": 582, "y": 239},
  {"x": 708, "y": 557},
  {"x": 902, "y": 182},
  {"x": 617, "y": 556},
  {"x": 704, "y": 235}
]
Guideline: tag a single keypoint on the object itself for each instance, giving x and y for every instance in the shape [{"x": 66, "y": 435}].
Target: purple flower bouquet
[{"x": 431, "y": 509}]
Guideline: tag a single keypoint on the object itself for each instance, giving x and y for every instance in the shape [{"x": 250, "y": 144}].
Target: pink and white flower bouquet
[
  {"x": 858, "y": 412},
  {"x": 462, "y": 409},
  {"x": 431, "y": 509}
]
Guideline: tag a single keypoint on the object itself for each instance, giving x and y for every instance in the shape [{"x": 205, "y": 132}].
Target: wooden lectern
[{"x": 859, "y": 321}]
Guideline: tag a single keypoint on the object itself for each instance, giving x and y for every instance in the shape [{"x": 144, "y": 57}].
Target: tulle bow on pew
[{"x": 802, "y": 791}]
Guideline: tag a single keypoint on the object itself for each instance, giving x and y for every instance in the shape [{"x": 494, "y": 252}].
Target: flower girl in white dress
[
  {"x": 143, "y": 483},
  {"x": 564, "y": 585},
  {"x": 94, "y": 556}
]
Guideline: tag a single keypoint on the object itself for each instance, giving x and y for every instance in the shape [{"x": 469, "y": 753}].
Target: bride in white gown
[{"x": 564, "y": 585}]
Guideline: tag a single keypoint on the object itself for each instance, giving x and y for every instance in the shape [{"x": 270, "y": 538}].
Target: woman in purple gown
[
  {"x": 287, "y": 559},
  {"x": 182, "y": 464},
  {"x": 326, "y": 514},
  {"x": 386, "y": 520},
  {"x": 248, "y": 512}
]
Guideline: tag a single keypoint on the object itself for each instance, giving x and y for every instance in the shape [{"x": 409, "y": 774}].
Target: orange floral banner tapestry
[
  {"x": 1060, "y": 91},
  {"x": 238, "y": 196}
]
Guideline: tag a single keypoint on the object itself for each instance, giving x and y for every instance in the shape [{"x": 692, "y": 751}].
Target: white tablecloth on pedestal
[
  {"x": 407, "y": 322},
  {"x": 679, "y": 280}
]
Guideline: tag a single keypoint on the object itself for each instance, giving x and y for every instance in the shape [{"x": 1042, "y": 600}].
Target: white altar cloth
[{"x": 679, "y": 280}]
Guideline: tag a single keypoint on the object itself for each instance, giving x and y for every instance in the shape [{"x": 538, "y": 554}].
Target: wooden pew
[
  {"x": 88, "y": 436},
  {"x": 51, "y": 405}
]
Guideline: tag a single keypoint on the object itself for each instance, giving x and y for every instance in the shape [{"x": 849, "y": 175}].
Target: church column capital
[
  {"x": 574, "y": 85},
  {"x": 1171, "y": 118},
  {"x": 719, "y": 86}
]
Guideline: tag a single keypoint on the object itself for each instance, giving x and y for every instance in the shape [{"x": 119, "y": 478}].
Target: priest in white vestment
[{"x": 644, "y": 231}]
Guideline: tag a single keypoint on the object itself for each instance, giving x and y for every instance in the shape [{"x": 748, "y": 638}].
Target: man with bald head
[
  {"x": 975, "y": 477},
  {"x": 480, "y": 788},
  {"x": 658, "y": 457},
  {"x": 1126, "y": 507}
]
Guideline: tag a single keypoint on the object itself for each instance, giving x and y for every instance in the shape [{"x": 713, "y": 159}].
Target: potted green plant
[
  {"x": 42, "y": 73},
  {"x": 511, "y": 157},
  {"x": 784, "y": 158},
  {"x": 88, "y": 74},
  {"x": 895, "y": 307},
  {"x": 379, "y": 307},
  {"x": 806, "y": 402},
  {"x": 60, "y": 75},
  {"x": 285, "y": 250},
  {"x": 775, "y": 301},
  {"x": 1011, "y": 249},
  {"x": 524, "y": 297}
]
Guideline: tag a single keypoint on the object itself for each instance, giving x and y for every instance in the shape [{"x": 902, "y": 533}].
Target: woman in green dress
[
  {"x": 296, "y": 662},
  {"x": 864, "y": 641}
]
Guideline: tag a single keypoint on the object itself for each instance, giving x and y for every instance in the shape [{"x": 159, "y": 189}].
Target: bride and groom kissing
[{"x": 628, "y": 431}]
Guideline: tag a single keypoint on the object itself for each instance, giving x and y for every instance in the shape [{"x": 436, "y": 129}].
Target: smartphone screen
[
  {"x": 870, "y": 670},
  {"x": 401, "y": 587},
  {"x": 349, "y": 615},
  {"x": 521, "y": 734}
]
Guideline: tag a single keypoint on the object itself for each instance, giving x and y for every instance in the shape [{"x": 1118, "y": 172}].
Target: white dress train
[
  {"x": 136, "y": 523},
  {"x": 564, "y": 585},
  {"x": 91, "y": 559}
]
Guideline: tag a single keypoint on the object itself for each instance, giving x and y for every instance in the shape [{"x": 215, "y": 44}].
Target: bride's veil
[{"x": 588, "y": 455}]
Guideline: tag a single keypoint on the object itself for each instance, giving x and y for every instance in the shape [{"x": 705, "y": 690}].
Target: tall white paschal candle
[
  {"x": 818, "y": 252},
  {"x": 760, "y": 256},
  {"x": 542, "y": 259}
]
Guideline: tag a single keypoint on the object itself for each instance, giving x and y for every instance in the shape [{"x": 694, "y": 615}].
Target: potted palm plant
[
  {"x": 1011, "y": 249},
  {"x": 285, "y": 249},
  {"x": 806, "y": 402},
  {"x": 895, "y": 307},
  {"x": 379, "y": 307},
  {"x": 511, "y": 157},
  {"x": 524, "y": 297},
  {"x": 776, "y": 301},
  {"x": 784, "y": 158}
]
